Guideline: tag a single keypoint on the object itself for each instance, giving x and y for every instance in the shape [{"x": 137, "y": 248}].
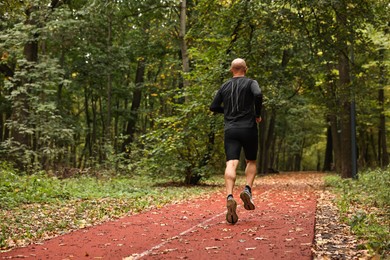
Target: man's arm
[
  {"x": 258, "y": 99},
  {"x": 216, "y": 104},
  {"x": 258, "y": 105}
]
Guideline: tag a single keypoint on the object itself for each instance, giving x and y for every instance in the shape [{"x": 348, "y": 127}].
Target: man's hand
[{"x": 258, "y": 119}]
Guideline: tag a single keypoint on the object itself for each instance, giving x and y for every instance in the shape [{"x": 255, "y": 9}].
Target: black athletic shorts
[{"x": 237, "y": 138}]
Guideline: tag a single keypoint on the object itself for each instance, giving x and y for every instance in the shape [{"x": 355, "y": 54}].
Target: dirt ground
[{"x": 281, "y": 227}]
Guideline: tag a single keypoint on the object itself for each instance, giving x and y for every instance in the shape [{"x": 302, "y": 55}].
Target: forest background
[{"x": 90, "y": 85}]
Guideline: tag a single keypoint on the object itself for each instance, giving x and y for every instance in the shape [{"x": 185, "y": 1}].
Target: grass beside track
[{"x": 364, "y": 205}]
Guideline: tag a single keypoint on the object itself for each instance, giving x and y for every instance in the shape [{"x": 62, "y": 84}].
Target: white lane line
[{"x": 147, "y": 252}]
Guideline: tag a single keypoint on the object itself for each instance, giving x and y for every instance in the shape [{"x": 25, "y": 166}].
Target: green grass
[
  {"x": 365, "y": 206},
  {"x": 34, "y": 207}
]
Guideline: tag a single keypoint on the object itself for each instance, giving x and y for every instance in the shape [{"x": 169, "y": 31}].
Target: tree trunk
[
  {"x": 262, "y": 134},
  {"x": 266, "y": 135},
  {"x": 136, "y": 102},
  {"x": 87, "y": 150},
  {"x": 116, "y": 126},
  {"x": 1, "y": 127},
  {"x": 329, "y": 151},
  {"x": 364, "y": 145},
  {"x": 95, "y": 146},
  {"x": 183, "y": 43},
  {"x": 272, "y": 158},
  {"x": 107, "y": 133},
  {"x": 383, "y": 156},
  {"x": 345, "y": 87},
  {"x": 371, "y": 149},
  {"x": 4, "y": 130},
  {"x": 268, "y": 142},
  {"x": 297, "y": 162},
  {"x": 280, "y": 151},
  {"x": 346, "y": 141}
]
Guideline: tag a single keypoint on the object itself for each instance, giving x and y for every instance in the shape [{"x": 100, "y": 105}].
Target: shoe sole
[
  {"x": 248, "y": 204},
  {"x": 231, "y": 215}
]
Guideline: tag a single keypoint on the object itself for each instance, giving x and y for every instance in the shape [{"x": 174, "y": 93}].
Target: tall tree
[
  {"x": 345, "y": 85},
  {"x": 383, "y": 156},
  {"x": 183, "y": 42}
]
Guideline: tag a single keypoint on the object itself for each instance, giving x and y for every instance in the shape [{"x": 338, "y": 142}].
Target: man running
[{"x": 242, "y": 101}]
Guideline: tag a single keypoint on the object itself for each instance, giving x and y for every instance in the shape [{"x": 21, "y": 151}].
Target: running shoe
[
  {"x": 231, "y": 215},
  {"x": 246, "y": 197}
]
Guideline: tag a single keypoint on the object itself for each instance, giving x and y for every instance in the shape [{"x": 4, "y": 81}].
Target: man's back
[{"x": 238, "y": 96}]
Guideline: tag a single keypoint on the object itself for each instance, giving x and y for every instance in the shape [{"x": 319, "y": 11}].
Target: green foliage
[
  {"x": 180, "y": 145},
  {"x": 365, "y": 206},
  {"x": 42, "y": 122},
  {"x": 17, "y": 188},
  {"x": 74, "y": 104}
]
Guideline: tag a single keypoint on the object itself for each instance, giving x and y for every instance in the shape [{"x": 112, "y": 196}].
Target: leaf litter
[{"x": 333, "y": 239}]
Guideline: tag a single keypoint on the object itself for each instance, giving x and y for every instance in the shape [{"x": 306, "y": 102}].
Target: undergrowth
[
  {"x": 365, "y": 205},
  {"x": 38, "y": 206}
]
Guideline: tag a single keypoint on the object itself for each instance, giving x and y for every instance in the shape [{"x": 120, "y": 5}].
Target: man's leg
[
  {"x": 246, "y": 195},
  {"x": 230, "y": 179},
  {"x": 230, "y": 175},
  {"x": 250, "y": 172}
]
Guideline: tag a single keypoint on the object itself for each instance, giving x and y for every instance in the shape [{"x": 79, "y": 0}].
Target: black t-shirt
[{"x": 242, "y": 100}]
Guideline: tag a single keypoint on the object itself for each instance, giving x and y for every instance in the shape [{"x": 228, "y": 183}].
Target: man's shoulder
[
  {"x": 226, "y": 83},
  {"x": 248, "y": 80}
]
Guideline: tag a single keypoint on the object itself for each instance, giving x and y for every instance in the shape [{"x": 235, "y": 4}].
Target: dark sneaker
[
  {"x": 246, "y": 197},
  {"x": 231, "y": 215}
]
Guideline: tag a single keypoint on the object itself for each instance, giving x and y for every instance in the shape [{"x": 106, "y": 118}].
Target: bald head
[{"x": 238, "y": 67}]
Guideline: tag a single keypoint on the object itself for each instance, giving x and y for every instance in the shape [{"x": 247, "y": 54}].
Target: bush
[{"x": 183, "y": 146}]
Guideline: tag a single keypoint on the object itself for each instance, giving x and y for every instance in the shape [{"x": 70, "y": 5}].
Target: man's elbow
[{"x": 216, "y": 109}]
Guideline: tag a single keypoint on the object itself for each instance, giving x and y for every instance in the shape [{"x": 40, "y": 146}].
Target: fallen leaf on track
[{"x": 212, "y": 247}]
